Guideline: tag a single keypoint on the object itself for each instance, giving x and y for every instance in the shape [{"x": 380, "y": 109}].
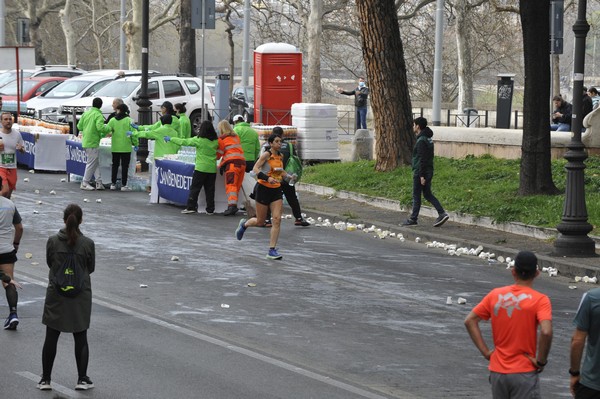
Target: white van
[
  {"x": 47, "y": 105},
  {"x": 173, "y": 88}
]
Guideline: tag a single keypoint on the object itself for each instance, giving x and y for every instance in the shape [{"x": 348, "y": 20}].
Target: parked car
[
  {"x": 47, "y": 105},
  {"x": 30, "y": 87},
  {"x": 173, "y": 88},
  {"x": 242, "y": 102},
  {"x": 41, "y": 71}
]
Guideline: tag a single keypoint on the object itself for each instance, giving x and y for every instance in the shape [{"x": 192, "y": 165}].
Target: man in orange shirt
[{"x": 516, "y": 311}]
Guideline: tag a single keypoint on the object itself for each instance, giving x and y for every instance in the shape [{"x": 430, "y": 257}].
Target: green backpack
[{"x": 294, "y": 164}]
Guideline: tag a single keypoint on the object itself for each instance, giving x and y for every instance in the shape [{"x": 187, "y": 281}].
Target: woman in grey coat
[{"x": 68, "y": 314}]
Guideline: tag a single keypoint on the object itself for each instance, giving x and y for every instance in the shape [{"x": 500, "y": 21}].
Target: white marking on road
[
  {"x": 55, "y": 387},
  {"x": 243, "y": 351},
  {"x": 238, "y": 349}
]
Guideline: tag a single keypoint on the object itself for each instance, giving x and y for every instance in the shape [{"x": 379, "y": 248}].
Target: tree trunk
[
  {"x": 463, "y": 52},
  {"x": 555, "y": 75},
  {"x": 314, "y": 33},
  {"x": 386, "y": 74},
  {"x": 133, "y": 32},
  {"x": 70, "y": 39},
  {"x": 187, "y": 40},
  {"x": 97, "y": 38},
  {"x": 535, "y": 171}
]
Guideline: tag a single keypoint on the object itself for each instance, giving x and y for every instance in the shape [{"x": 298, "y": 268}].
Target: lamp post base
[{"x": 574, "y": 246}]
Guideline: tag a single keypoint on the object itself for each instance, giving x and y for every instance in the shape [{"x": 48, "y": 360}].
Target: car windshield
[
  {"x": 9, "y": 76},
  {"x": 118, "y": 88},
  {"x": 11, "y": 88},
  {"x": 68, "y": 89}
]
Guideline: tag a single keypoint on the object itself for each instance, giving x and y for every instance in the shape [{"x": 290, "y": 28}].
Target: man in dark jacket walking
[{"x": 422, "y": 166}]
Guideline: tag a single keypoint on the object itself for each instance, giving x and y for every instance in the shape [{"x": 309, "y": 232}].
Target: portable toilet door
[{"x": 277, "y": 82}]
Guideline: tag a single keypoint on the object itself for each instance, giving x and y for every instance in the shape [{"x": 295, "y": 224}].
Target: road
[{"x": 343, "y": 315}]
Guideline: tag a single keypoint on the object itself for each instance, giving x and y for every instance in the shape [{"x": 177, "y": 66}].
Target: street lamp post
[
  {"x": 573, "y": 239},
  {"x": 144, "y": 110}
]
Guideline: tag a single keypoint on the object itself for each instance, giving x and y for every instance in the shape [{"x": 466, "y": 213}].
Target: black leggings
[
  {"x": 123, "y": 159},
  {"x": 12, "y": 297},
  {"x": 82, "y": 352}
]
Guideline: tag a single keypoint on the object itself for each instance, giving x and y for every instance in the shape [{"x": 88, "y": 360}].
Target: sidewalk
[{"x": 462, "y": 230}]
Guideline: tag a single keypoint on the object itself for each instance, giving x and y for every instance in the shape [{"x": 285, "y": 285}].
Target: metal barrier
[
  {"x": 273, "y": 116},
  {"x": 349, "y": 121}
]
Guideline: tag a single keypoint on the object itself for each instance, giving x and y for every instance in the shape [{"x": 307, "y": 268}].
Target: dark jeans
[
  {"x": 361, "y": 117},
  {"x": 123, "y": 159},
  {"x": 199, "y": 180},
  {"x": 419, "y": 189}
]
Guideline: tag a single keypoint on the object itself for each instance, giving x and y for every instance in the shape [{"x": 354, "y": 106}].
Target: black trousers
[{"x": 199, "y": 180}]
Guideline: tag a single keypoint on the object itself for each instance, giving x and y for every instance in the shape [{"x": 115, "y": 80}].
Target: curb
[{"x": 568, "y": 267}]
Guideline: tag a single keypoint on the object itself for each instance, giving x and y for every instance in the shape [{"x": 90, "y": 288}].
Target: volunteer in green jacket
[
  {"x": 249, "y": 140},
  {"x": 167, "y": 109},
  {"x": 185, "y": 125},
  {"x": 92, "y": 127},
  {"x": 151, "y": 132},
  {"x": 121, "y": 146},
  {"x": 205, "y": 171}
]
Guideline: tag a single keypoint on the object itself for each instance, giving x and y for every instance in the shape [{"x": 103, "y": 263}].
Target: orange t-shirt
[{"x": 515, "y": 312}]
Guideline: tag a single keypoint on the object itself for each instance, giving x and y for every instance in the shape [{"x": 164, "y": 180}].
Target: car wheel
[{"x": 196, "y": 121}]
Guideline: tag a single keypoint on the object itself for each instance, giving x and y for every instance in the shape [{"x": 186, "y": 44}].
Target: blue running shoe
[
  {"x": 241, "y": 229},
  {"x": 273, "y": 254},
  {"x": 11, "y": 322}
]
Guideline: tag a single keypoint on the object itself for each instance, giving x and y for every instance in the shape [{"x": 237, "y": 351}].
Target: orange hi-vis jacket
[
  {"x": 230, "y": 148},
  {"x": 233, "y": 163}
]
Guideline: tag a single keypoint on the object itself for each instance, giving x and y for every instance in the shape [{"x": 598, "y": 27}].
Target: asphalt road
[{"x": 343, "y": 315}]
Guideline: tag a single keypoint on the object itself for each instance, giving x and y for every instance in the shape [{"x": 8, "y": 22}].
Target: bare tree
[
  {"x": 384, "y": 59},
  {"x": 36, "y": 13},
  {"x": 133, "y": 28},
  {"x": 70, "y": 36}
]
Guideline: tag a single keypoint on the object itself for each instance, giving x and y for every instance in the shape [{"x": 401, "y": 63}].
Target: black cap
[{"x": 526, "y": 261}]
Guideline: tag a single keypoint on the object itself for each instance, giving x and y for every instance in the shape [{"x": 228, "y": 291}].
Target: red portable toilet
[{"x": 277, "y": 82}]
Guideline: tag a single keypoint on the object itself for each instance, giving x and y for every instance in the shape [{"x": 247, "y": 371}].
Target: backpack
[
  {"x": 69, "y": 278},
  {"x": 294, "y": 164}
]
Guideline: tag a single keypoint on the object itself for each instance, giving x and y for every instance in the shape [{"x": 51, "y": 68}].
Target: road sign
[{"x": 203, "y": 15}]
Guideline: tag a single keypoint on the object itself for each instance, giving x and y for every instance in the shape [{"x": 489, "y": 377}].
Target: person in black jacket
[
  {"x": 422, "y": 166},
  {"x": 587, "y": 105},
  {"x": 561, "y": 117},
  {"x": 361, "y": 93},
  {"x": 64, "y": 314}
]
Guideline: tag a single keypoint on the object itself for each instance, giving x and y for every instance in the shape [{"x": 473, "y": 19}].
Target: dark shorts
[
  {"x": 267, "y": 195},
  {"x": 9, "y": 257}
]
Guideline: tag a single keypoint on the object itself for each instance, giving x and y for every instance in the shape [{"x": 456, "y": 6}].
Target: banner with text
[
  {"x": 76, "y": 158},
  {"x": 174, "y": 180}
]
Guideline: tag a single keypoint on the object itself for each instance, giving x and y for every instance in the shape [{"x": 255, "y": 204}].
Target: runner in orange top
[
  {"x": 516, "y": 311},
  {"x": 269, "y": 173},
  {"x": 233, "y": 163}
]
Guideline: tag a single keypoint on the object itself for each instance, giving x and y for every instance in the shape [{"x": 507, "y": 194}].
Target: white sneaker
[
  {"x": 113, "y": 187},
  {"x": 126, "y": 188},
  {"x": 99, "y": 185},
  {"x": 86, "y": 186}
]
